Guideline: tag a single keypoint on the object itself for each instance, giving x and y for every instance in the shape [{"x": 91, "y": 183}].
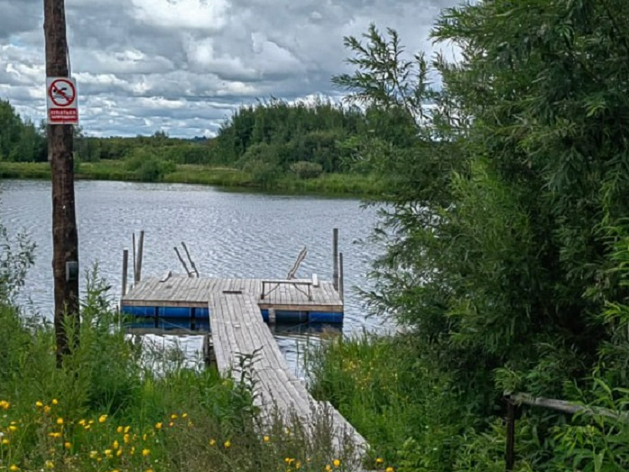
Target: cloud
[{"x": 184, "y": 65}]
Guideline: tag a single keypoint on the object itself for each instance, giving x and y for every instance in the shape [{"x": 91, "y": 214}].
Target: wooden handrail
[{"x": 516, "y": 400}]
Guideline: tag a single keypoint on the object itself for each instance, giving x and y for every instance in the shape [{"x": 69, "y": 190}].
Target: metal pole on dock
[
  {"x": 125, "y": 268},
  {"x": 341, "y": 282},
  {"x": 138, "y": 272},
  {"x": 335, "y": 256}
]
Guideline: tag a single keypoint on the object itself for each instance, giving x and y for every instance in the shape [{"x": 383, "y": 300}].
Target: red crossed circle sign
[{"x": 62, "y": 93}]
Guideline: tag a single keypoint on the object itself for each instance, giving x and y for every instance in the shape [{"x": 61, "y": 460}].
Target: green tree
[{"x": 508, "y": 202}]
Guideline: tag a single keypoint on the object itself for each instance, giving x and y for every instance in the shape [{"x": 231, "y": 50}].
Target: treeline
[
  {"x": 275, "y": 137},
  {"x": 22, "y": 141},
  {"x": 268, "y": 140}
]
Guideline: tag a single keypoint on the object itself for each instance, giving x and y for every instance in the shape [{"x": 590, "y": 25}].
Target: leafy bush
[
  {"x": 306, "y": 170},
  {"x": 148, "y": 167}
]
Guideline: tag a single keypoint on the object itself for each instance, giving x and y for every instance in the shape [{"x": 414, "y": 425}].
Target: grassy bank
[
  {"x": 381, "y": 386},
  {"x": 329, "y": 184},
  {"x": 115, "y": 406}
]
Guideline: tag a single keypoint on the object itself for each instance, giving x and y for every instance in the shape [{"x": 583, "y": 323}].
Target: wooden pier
[
  {"x": 231, "y": 313},
  {"x": 238, "y": 332},
  {"x": 237, "y": 328}
]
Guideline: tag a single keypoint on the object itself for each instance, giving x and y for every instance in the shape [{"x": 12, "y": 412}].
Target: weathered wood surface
[
  {"x": 180, "y": 290},
  {"x": 244, "y": 344}
]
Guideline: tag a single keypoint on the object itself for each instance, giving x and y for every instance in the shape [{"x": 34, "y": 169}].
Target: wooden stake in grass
[{"x": 60, "y": 143}]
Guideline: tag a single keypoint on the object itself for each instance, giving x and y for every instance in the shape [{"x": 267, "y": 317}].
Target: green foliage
[
  {"x": 406, "y": 412},
  {"x": 306, "y": 170},
  {"x": 506, "y": 238},
  {"x": 19, "y": 141},
  {"x": 148, "y": 167}
]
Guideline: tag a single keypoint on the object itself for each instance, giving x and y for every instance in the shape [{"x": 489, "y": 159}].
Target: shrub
[
  {"x": 148, "y": 167},
  {"x": 306, "y": 170}
]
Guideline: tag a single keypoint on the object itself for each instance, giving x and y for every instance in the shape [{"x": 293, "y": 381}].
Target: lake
[{"x": 229, "y": 234}]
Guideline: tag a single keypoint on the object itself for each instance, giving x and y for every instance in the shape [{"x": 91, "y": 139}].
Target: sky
[{"x": 183, "y": 66}]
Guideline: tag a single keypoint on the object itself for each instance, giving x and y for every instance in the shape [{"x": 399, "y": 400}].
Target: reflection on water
[{"x": 229, "y": 235}]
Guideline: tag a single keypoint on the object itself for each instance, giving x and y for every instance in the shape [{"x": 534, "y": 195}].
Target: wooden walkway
[{"x": 238, "y": 332}]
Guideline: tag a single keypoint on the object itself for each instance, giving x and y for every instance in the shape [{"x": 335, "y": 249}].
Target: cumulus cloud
[{"x": 184, "y": 65}]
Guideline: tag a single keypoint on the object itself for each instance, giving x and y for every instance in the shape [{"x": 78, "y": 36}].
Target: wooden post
[
  {"x": 341, "y": 282},
  {"x": 138, "y": 272},
  {"x": 510, "y": 451},
  {"x": 125, "y": 268},
  {"x": 335, "y": 257},
  {"x": 64, "y": 231},
  {"x": 135, "y": 265}
]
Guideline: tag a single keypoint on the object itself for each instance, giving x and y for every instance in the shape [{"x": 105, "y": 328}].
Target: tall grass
[
  {"x": 385, "y": 389},
  {"x": 105, "y": 410}
]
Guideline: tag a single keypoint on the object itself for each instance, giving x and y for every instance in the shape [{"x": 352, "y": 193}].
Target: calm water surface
[{"x": 229, "y": 235}]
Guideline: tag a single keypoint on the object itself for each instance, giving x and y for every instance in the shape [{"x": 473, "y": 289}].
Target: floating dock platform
[{"x": 180, "y": 303}]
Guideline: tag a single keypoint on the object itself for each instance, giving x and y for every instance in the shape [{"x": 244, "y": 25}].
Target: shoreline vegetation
[{"x": 217, "y": 176}]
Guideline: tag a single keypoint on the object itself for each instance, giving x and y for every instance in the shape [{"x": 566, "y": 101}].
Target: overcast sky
[{"x": 182, "y": 66}]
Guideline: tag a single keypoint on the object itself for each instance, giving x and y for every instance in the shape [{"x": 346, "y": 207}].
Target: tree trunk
[{"x": 60, "y": 143}]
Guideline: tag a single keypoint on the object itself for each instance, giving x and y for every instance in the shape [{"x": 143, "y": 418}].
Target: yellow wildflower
[
  {"x": 116, "y": 444},
  {"x": 55, "y": 435},
  {"x": 185, "y": 415},
  {"x": 82, "y": 422},
  {"x": 389, "y": 469},
  {"x": 266, "y": 439},
  {"x": 227, "y": 444},
  {"x": 102, "y": 418},
  {"x": 171, "y": 424},
  {"x": 93, "y": 454},
  {"x": 126, "y": 439},
  {"x": 190, "y": 424},
  {"x": 148, "y": 470},
  {"x": 108, "y": 452},
  {"x": 173, "y": 416},
  {"x": 46, "y": 409},
  {"x": 55, "y": 401},
  {"x": 146, "y": 452},
  {"x": 4, "y": 404},
  {"x": 67, "y": 445},
  {"x": 14, "y": 468},
  {"x": 119, "y": 429},
  {"x": 127, "y": 429},
  {"x": 49, "y": 465},
  {"x": 39, "y": 404},
  {"x": 12, "y": 428},
  {"x": 289, "y": 460},
  {"x": 59, "y": 421},
  {"x": 212, "y": 442},
  {"x": 144, "y": 436},
  {"x": 336, "y": 462},
  {"x": 379, "y": 460},
  {"x": 328, "y": 468},
  {"x": 5, "y": 442},
  {"x": 119, "y": 452},
  {"x": 132, "y": 451},
  {"x": 298, "y": 465},
  {"x": 158, "y": 425}
]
